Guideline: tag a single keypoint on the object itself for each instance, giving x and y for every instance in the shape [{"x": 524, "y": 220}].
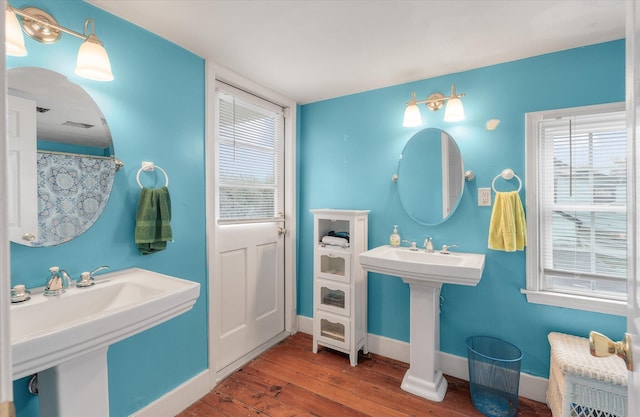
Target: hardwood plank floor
[{"x": 290, "y": 380}]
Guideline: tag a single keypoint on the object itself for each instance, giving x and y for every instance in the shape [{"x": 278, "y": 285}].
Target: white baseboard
[
  {"x": 177, "y": 400},
  {"x": 305, "y": 324},
  {"x": 532, "y": 387}
]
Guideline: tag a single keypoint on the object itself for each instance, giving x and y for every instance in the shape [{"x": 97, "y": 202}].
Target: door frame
[
  {"x": 6, "y": 368},
  {"x": 633, "y": 113},
  {"x": 215, "y": 72}
]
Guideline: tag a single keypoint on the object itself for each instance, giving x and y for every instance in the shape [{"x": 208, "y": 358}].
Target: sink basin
[
  {"x": 47, "y": 331},
  {"x": 452, "y": 268}
]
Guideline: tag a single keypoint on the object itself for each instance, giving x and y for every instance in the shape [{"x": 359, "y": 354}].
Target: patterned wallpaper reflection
[{"x": 72, "y": 192}]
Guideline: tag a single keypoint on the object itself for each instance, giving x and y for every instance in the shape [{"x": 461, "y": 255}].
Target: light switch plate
[{"x": 484, "y": 196}]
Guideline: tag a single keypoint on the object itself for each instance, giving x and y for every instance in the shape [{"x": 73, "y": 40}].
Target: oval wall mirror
[
  {"x": 69, "y": 154},
  {"x": 430, "y": 176}
]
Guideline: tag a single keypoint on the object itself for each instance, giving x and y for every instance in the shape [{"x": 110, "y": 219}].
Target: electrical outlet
[{"x": 484, "y": 196}]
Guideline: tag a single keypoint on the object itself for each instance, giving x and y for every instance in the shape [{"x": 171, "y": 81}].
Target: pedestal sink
[
  {"x": 425, "y": 273},
  {"x": 65, "y": 338}
]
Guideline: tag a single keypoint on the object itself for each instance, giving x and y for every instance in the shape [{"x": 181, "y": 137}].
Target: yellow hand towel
[{"x": 508, "y": 227}]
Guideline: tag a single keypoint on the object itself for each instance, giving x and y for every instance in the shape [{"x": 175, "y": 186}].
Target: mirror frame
[
  {"x": 75, "y": 172},
  {"x": 429, "y": 164}
]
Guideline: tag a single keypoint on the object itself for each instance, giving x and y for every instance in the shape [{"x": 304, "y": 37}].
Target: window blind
[
  {"x": 249, "y": 161},
  {"x": 583, "y": 200}
]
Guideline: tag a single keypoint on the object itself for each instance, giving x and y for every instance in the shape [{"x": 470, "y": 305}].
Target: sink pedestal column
[
  {"x": 424, "y": 377},
  {"x": 77, "y": 387}
]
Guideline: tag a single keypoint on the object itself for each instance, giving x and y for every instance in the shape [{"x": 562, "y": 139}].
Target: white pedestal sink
[
  {"x": 65, "y": 338},
  {"x": 425, "y": 273}
]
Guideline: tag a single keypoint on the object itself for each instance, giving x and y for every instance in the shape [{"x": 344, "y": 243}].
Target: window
[
  {"x": 577, "y": 208},
  {"x": 250, "y": 139}
]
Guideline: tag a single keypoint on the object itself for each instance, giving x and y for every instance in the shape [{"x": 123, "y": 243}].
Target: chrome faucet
[
  {"x": 58, "y": 281},
  {"x": 428, "y": 245},
  {"x": 445, "y": 249}
]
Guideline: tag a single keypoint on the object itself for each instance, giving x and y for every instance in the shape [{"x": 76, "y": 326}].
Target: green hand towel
[{"x": 153, "y": 230}]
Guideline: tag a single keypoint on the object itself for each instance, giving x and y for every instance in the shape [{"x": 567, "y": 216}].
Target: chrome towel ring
[
  {"x": 506, "y": 174},
  {"x": 150, "y": 166}
]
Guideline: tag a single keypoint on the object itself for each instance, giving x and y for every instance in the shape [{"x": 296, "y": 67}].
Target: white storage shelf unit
[{"x": 340, "y": 284}]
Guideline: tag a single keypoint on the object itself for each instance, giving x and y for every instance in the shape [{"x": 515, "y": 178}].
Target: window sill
[{"x": 598, "y": 305}]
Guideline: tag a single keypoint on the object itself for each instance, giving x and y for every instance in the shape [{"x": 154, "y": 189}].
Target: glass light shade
[
  {"x": 93, "y": 61},
  {"x": 412, "y": 116},
  {"x": 14, "y": 42},
  {"x": 454, "y": 112}
]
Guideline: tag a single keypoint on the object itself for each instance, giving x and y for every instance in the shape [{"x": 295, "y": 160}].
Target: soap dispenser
[{"x": 394, "y": 239}]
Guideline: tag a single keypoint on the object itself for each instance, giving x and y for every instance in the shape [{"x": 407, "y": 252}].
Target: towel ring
[
  {"x": 506, "y": 174},
  {"x": 150, "y": 166}
]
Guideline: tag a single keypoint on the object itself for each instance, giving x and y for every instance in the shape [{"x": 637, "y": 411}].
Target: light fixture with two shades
[
  {"x": 92, "y": 61},
  {"x": 453, "y": 111}
]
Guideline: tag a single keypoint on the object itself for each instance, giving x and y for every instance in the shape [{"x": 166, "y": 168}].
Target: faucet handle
[
  {"x": 413, "y": 245},
  {"x": 445, "y": 248},
  {"x": 86, "y": 278},
  {"x": 98, "y": 269}
]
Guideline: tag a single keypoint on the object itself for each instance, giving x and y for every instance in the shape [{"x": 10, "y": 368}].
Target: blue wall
[
  {"x": 349, "y": 148},
  {"x": 155, "y": 110}
]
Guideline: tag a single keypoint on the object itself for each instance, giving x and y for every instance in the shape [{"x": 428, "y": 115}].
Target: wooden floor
[{"x": 290, "y": 380}]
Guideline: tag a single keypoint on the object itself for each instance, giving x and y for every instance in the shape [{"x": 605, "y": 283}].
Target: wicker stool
[{"x": 581, "y": 385}]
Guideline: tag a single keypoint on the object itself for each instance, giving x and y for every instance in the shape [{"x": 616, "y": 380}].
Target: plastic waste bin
[{"x": 494, "y": 375}]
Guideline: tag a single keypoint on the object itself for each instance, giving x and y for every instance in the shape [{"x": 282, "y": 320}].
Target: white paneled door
[
  {"x": 248, "y": 301},
  {"x": 251, "y": 296}
]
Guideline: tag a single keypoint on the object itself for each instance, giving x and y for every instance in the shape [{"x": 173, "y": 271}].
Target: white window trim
[
  {"x": 557, "y": 299},
  {"x": 533, "y": 291}
]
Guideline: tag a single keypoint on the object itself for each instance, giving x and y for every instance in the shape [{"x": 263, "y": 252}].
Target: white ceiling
[{"x": 310, "y": 50}]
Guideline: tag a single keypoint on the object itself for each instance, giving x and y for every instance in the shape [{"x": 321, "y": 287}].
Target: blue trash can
[{"x": 494, "y": 375}]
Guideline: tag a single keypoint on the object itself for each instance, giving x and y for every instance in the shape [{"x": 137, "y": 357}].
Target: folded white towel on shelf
[{"x": 335, "y": 241}]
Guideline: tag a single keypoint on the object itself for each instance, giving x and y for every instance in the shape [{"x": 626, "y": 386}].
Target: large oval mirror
[
  {"x": 430, "y": 176},
  {"x": 64, "y": 165}
]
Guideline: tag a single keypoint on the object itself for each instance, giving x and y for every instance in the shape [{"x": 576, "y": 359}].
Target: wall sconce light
[
  {"x": 453, "y": 111},
  {"x": 92, "y": 62}
]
